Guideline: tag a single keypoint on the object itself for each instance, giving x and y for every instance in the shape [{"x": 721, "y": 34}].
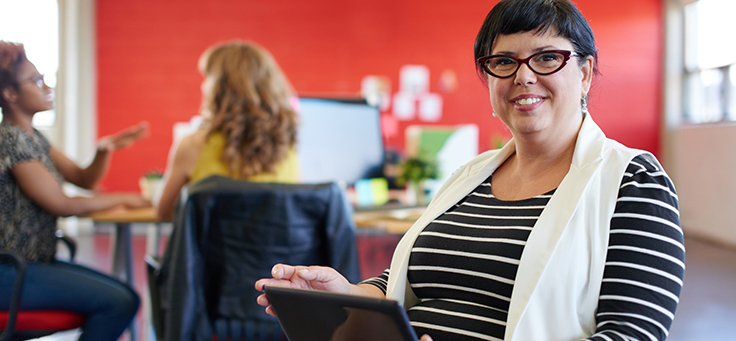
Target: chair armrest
[
  {"x": 153, "y": 262},
  {"x": 69, "y": 242},
  {"x": 20, "y": 273}
]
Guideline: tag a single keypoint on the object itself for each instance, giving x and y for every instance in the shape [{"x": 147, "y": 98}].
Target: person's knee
[
  {"x": 132, "y": 303},
  {"x": 125, "y": 304}
]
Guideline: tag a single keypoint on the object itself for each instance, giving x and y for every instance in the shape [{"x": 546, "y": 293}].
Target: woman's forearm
[
  {"x": 93, "y": 174},
  {"x": 85, "y": 205},
  {"x": 367, "y": 290}
]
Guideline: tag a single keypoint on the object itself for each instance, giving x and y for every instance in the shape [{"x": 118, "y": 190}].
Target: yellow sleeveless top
[{"x": 286, "y": 171}]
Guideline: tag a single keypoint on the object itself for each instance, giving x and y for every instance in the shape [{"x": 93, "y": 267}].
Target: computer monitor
[{"x": 339, "y": 140}]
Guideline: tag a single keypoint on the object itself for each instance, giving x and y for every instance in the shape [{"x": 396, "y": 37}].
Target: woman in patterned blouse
[{"x": 31, "y": 198}]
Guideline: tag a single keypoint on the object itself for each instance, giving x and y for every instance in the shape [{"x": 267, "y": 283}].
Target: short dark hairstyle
[
  {"x": 515, "y": 16},
  {"x": 11, "y": 56}
]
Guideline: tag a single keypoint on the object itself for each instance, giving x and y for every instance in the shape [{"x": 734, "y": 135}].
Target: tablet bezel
[{"x": 284, "y": 298}]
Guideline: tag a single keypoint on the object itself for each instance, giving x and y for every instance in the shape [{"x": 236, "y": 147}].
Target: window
[
  {"x": 710, "y": 62},
  {"x": 35, "y": 23}
]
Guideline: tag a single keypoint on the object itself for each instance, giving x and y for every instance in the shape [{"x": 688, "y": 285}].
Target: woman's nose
[{"x": 525, "y": 75}]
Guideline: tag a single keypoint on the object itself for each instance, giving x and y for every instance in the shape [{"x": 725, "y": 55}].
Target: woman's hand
[
  {"x": 134, "y": 201},
  {"x": 425, "y": 337},
  {"x": 304, "y": 277},
  {"x": 123, "y": 138}
]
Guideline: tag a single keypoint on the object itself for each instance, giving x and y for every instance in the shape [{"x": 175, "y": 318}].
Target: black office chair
[
  {"x": 228, "y": 234},
  {"x": 19, "y": 324}
]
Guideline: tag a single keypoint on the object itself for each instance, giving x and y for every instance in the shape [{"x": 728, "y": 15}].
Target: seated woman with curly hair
[{"x": 249, "y": 129}]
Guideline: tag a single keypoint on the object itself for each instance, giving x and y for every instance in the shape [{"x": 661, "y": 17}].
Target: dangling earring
[
  {"x": 494, "y": 114},
  {"x": 584, "y": 104}
]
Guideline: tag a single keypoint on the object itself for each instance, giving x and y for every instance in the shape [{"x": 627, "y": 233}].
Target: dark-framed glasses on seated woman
[{"x": 542, "y": 63}]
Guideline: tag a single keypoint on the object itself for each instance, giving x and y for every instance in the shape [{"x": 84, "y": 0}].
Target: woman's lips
[{"x": 527, "y": 103}]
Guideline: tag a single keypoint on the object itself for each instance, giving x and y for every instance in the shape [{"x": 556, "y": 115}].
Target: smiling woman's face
[{"x": 531, "y": 104}]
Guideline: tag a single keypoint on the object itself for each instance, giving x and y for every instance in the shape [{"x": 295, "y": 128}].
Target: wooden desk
[
  {"x": 394, "y": 221},
  {"x": 141, "y": 215}
]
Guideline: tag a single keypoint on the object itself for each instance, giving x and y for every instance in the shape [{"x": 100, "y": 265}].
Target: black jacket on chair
[{"x": 229, "y": 233}]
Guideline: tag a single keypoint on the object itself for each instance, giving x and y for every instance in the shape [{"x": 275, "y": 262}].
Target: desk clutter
[{"x": 395, "y": 221}]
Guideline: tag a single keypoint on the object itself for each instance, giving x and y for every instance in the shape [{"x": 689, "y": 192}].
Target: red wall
[{"x": 147, "y": 53}]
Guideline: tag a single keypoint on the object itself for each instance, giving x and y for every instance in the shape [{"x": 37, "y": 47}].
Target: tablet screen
[{"x": 310, "y": 315}]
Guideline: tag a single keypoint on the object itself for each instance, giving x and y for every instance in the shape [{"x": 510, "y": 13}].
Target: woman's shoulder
[
  {"x": 10, "y": 133},
  {"x": 645, "y": 166},
  {"x": 645, "y": 181},
  {"x": 188, "y": 150},
  {"x": 16, "y": 144},
  {"x": 194, "y": 141}
]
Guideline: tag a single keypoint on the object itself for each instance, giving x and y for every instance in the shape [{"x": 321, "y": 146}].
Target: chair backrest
[{"x": 229, "y": 233}]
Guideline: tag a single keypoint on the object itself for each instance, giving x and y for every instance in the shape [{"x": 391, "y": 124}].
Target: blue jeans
[{"x": 108, "y": 304}]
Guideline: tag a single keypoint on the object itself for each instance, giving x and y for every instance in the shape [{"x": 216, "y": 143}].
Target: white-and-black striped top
[{"x": 463, "y": 265}]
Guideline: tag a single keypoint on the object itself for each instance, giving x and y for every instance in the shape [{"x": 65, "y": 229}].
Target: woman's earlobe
[{"x": 9, "y": 94}]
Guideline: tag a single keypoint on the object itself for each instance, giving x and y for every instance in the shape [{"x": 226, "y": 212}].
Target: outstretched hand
[
  {"x": 308, "y": 277},
  {"x": 123, "y": 138},
  {"x": 303, "y": 277}
]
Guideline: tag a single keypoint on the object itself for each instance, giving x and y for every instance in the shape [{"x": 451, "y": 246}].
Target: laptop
[{"x": 312, "y": 315}]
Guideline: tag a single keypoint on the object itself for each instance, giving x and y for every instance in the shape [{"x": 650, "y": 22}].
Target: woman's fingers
[
  {"x": 262, "y": 300},
  {"x": 304, "y": 277},
  {"x": 305, "y": 273},
  {"x": 283, "y": 275},
  {"x": 322, "y": 278},
  {"x": 283, "y": 271},
  {"x": 275, "y": 282},
  {"x": 125, "y": 137}
]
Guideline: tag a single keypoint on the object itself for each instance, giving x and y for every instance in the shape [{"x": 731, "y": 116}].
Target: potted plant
[
  {"x": 414, "y": 171},
  {"x": 149, "y": 182}
]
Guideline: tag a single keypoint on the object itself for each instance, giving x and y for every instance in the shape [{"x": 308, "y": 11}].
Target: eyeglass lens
[
  {"x": 542, "y": 63},
  {"x": 39, "y": 80}
]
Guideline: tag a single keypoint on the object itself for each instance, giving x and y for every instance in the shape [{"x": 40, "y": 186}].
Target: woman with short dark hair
[{"x": 562, "y": 234}]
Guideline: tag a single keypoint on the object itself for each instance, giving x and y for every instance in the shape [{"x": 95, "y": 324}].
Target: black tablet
[{"x": 311, "y": 315}]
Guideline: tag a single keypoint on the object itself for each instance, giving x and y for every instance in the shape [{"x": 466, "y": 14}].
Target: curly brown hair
[
  {"x": 247, "y": 99},
  {"x": 11, "y": 56}
]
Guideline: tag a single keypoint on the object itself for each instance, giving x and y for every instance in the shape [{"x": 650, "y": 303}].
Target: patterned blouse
[{"x": 24, "y": 226}]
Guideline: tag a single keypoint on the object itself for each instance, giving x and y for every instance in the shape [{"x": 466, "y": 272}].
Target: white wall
[
  {"x": 76, "y": 121},
  {"x": 75, "y": 129},
  {"x": 701, "y": 159},
  {"x": 706, "y": 181}
]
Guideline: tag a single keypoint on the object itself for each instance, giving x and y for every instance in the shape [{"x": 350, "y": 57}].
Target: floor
[{"x": 707, "y": 309}]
